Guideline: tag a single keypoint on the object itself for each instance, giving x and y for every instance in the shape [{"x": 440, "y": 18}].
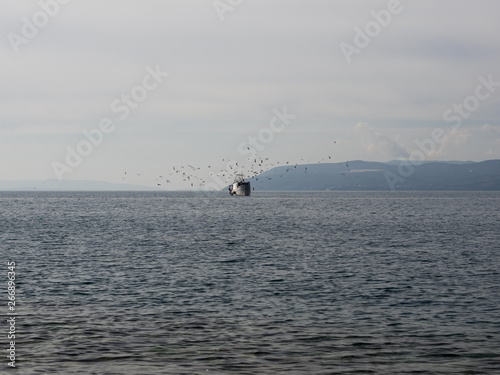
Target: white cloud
[
  {"x": 492, "y": 130},
  {"x": 375, "y": 142},
  {"x": 454, "y": 137}
]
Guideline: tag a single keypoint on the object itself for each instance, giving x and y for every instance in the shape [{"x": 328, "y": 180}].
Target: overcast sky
[{"x": 189, "y": 81}]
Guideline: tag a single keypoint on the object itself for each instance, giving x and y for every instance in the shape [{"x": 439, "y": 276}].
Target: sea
[{"x": 275, "y": 283}]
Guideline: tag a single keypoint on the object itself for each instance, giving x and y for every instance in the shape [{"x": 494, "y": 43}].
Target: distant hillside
[
  {"x": 354, "y": 175},
  {"x": 68, "y": 185},
  {"x": 362, "y": 175}
]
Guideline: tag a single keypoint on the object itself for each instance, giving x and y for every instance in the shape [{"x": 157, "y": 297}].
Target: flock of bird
[{"x": 196, "y": 177}]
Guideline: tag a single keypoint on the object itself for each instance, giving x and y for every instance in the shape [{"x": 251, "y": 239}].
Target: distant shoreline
[{"x": 355, "y": 175}]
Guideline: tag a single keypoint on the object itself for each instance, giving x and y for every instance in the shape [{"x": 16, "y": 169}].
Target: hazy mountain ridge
[
  {"x": 363, "y": 175},
  {"x": 353, "y": 175},
  {"x": 68, "y": 185}
]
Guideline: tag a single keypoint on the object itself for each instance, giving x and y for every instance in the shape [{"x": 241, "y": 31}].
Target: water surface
[{"x": 295, "y": 283}]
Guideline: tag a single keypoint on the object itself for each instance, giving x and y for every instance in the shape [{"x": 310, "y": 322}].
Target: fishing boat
[{"x": 240, "y": 186}]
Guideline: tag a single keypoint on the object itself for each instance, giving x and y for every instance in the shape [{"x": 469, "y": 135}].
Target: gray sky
[{"x": 232, "y": 65}]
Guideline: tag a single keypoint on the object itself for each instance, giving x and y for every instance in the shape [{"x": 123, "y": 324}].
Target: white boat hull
[{"x": 241, "y": 189}]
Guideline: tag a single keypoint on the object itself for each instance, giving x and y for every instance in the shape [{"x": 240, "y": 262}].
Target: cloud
[
  {"x": 454, "y": 137},
  {"x": 376, "y": 142},
  {"x": 493, "y": 133},
  {"x": 492, "y": 130}
]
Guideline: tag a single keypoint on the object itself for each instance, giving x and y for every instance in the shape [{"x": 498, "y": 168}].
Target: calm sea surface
[{"x": 275, "y": 283}]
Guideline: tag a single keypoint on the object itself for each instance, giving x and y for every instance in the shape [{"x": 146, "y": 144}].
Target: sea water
[{"x": 274, "y": 283}]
